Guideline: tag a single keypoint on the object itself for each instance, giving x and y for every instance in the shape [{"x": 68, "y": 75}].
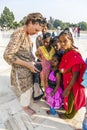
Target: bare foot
[{"x": 28, "y": 110}]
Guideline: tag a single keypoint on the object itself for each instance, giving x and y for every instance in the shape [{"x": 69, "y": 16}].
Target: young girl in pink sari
[
  {"x": 45, "y": 54},
  {"x": 54, "y": 89}
]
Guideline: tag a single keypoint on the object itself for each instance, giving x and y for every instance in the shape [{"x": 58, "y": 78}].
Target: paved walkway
[{"x": 12, "y": 117}]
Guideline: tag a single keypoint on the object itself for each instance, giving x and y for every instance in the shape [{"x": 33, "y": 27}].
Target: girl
[
  {"x": 54, "y": 90},
  {"x": 56, "y": 45},
  {"x": 45, "y": 54},
  {"x": 39, "y": 39},
  {"x": 72, "y": 67}
]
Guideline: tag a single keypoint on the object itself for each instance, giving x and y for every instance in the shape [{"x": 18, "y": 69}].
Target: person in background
[
  {"x": 78, "y": 31},
  {"x": 54, "y": 89},
  {"x": 45, "y": 54},
  {"x": 53, "y": 34},
  {"x": 39, "y": 39},
  {"x": 58, "y": 30},
  {"x": 19, "y": 55},
  {"x": 75, "y": 31},
  {"x": 72, "y": 67}
]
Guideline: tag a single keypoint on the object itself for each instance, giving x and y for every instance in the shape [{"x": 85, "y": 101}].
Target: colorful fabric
[
  {"x": 48, "y": 55},
  {"x": 70, "y": 60},
  {"x": 45, "y": 58},
  {"x": 71, "y": 111},
  {"x": 54, "y": 101},
  {"x": 19, "y": 47}
]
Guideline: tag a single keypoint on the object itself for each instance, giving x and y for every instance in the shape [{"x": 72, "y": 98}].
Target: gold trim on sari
[{"x": 47, "y": 55}]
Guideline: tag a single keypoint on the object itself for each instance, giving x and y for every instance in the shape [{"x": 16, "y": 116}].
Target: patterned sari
[{"x": 45, "y": 58}]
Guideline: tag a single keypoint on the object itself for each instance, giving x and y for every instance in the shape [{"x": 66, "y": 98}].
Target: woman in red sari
[{"x": 72, "y": 67}]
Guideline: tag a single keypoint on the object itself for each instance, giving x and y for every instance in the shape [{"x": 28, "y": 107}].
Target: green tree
[
  {"x": 57, "y": 23},
  {"x": 83, "y": 25},
  {"x": 7, "y": 18},
  {"x": 15, "y": 25},
  {"x": 64, "y": 25}
]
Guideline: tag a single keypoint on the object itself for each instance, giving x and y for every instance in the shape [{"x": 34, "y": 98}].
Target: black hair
[
  {"x": 48, "y": 25},
  {"x": 57, "y": 56},
  {"x": 54, "y": 40},
  {"x": 46, "y": 35},
  {"x": 66, "y": 31}
]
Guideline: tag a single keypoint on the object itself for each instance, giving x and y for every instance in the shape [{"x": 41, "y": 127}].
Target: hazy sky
[{"x": 65, "y": 10}]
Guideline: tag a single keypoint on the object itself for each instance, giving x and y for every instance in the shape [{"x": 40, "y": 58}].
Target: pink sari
[{"x": 46, "y": 64}]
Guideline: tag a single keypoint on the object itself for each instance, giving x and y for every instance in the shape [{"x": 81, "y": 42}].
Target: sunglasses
[{"x": 41, "y": 22}]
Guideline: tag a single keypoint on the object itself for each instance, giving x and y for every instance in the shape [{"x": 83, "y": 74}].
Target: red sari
[{"x": 73, "y": 60}]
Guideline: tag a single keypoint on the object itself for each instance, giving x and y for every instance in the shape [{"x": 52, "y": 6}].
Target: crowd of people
[
  {"x": 75, "y": 31},
  {"x": 61, "y": 62}
]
